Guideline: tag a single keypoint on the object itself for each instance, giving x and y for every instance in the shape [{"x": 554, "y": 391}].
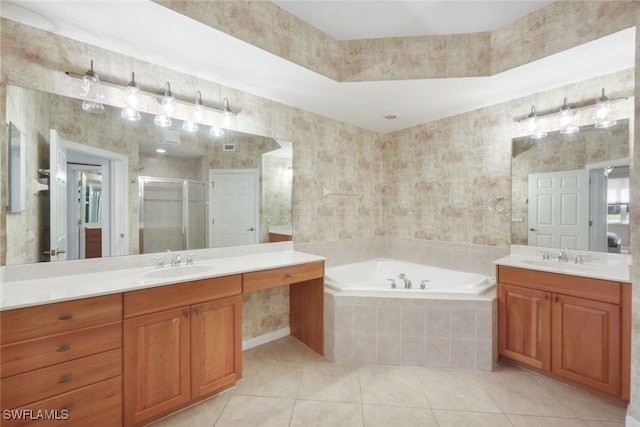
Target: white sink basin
[
  {"x": 562, "y": 266},
  {"x": 171, "y": 272}
]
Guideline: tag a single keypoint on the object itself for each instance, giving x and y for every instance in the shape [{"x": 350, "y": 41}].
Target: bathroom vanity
[
  {"x": 572, "y": 327},
  {"x": 149, "y": 347}
]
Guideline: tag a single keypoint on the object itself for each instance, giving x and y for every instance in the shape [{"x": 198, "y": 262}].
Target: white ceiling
[{"x": 150, "y": 32}]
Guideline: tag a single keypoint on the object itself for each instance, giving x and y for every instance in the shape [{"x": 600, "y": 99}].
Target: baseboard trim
[
  {"x": 631, "y": 422},
  {"x": 263, "y": 339}
]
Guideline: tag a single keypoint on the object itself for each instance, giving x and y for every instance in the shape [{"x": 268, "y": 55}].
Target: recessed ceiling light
[
  {"x": 391, "y": 116},
  {"x": 160, "y": 150}
]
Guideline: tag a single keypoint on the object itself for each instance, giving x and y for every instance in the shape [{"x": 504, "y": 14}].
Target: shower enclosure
[{"x": 172, "y": 214}]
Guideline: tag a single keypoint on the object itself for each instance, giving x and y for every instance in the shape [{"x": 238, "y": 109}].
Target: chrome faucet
[
  {"x": 190, "y": 259},
  {"x": 405, "y": 279},
  {"x": 562, "y": 256},
  {"x": 580, "y": 258},
  {"x": 393, "y": 283},
  {"x": 175, "y": 261}
]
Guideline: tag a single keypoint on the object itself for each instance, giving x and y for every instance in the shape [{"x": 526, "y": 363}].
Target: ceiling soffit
[{"x": 549, "y": 30}]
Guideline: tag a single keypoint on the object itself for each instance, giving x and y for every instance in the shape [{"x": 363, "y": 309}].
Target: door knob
[
  {"x": 54, "y": 252},
  {"x": 533, "y": 229},
  {"x": 250, "y": 229}
]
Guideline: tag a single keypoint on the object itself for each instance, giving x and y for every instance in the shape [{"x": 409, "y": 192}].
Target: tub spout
[{"x": 407, "y": 282}]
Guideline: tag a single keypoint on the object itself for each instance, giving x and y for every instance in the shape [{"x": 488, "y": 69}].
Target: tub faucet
[
  {"x": 407, "y": 282},
  {"x": 175, "y": 261}
]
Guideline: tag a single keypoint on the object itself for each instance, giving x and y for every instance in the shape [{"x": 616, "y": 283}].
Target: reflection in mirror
[
  {"x": 139, "y": 176},
  {"x": 553, "y": 203},
  {"x": 16, "y": 169}
]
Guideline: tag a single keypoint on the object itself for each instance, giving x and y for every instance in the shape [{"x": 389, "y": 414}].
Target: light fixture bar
[
  {"x": 556, "y": 112},
  {"x": 158, "y": 95}
]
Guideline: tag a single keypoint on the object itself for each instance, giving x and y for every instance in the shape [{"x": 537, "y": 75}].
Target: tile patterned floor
[{"x": 286, "y": 384}]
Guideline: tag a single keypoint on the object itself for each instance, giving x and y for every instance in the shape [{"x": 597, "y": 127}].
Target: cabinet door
[
  {"x": 156, "y": 364},
  {"x": 586, "y": 342},
  {"x": 216, "y": 345},
  {"x": 524, "y": 325}
]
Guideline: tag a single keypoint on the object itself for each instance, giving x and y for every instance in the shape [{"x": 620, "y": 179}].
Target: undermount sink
[
  {"x": 169, "y": 272},
  {"x": 562, "y": 266}
]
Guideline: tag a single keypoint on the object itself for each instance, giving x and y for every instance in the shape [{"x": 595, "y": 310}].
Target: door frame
[
  {"x": 115, "y": 208},
  {"x": 256, "y": 178}
]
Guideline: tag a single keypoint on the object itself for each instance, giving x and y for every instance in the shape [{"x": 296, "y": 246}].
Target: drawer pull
[
  {"x": 287, "y": 276},
  {"x": 185, "y": 313},
  {"x": 65, "y": 379},
  {"x": 65, "y": 317},
  {"x": 63, "y": 348}
]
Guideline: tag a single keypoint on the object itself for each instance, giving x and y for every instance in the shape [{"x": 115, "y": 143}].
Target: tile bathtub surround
[
  {"x": 456, "y": 256},
  {"x": 286, "y": 384},
  {"x": 411, "y": 332}
]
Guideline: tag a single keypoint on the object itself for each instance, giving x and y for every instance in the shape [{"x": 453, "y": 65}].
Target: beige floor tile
[
  {"x": 330, "y": 382},
  {"x": 456, "y": 390},
  {"x": 387, "y": 416},
  {"x": 269, "y": 377},
  {"x": 530, "y": 421},
  {"x": 310, "y": 413},
  {"x": 289, "y": 348},
  {"x": 517, "y": 392},
  {"x": 252, "y": 411},
  {"x": 584, "y": 405},
  {"x": 392, "y": 385},
  {"x": 603, "y": 424},
  {"x": 204, "y": 414},
  {"x": 470, "y": 419}
]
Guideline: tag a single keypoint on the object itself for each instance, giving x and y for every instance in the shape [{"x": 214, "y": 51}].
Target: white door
[
  {"x": 559, "y": 209},
  {"x": 233, "y": 208},
  {"x": 57, "y": 197}
]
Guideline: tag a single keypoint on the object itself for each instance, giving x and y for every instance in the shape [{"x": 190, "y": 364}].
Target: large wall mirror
[
  {"x": 98, "y": 185},
  {"x": 572, "y": 190}
]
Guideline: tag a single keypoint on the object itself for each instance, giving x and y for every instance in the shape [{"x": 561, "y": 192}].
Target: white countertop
[
  {"x": 614, "y": 267},
  {"x": 19, "y": 290}
]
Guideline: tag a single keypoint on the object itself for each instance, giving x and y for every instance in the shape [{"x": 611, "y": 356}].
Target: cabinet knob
[
  {"x": 196, "y": 310},
  {"x": 185, "y": 313},
  {"x": 65, "y": 379},
  {"x": 65, "y": 317},
  {"x": 546, "y": 297},
  {"x": 557, "y": 298},
  {"x": 63, "y": 348}
]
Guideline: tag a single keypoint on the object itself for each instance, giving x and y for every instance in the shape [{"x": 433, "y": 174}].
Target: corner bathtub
[
  {"x": 452, "y": 323},
  {"x": 372, "y": 276}
]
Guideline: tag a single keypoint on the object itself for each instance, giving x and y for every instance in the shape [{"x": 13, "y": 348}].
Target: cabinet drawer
[
  {"x": 584, "y": 287},
  {"x": 99, "y": 404},
  {"x": 40, "y": 352},
  {"x": 32, "y": 322},
  {"x": 42, "y": 383},
  {"x": 266, "y": 279},
  {"x": 146, "y": 301}
]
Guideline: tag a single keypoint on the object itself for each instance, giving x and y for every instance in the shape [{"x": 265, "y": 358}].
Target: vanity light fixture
[
  {"x": 226, "y": 121},
  {"x": 533, "y": 125},
  {"x": 91, "y": 92},
  {"x": 191, "y": 126},
  {"x": 93, "y": 98},
  {"x": 601, "y": 115},
  {"x": 567, "y": 119},
  {"x": 131, "y": 101},
  {"x": 216, "y": 131},
  {"x": 163, "y": 120}
]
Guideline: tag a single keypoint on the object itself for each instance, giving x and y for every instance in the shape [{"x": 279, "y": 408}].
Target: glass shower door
[
  {"x": 161, "y": 215},
  {"x": 195, "y": 226}
]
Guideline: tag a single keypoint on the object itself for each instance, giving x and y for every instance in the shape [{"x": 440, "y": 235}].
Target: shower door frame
[{"x": 185, "y": 206}]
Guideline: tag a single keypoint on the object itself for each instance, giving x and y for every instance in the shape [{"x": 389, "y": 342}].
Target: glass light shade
[
  {"x": 601, "y": 115},
  {"x": 132, "y": 96},
  {"x": 533, "y": 126},
  {"x": 567, "y": 120},
  {"x": 168, "y": 105},
  {"x": 162, "y": 121},
  {"x": 91, "y": 92},
  {"x": 198, "y": 113},
  {"x": 216, "y": 131},
  {"x": 189, "y": 126},
  {"x": 130, "y": 114}
]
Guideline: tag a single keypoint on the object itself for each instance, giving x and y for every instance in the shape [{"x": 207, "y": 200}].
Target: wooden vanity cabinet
[
  {"x": 181, "y": 342},
  {"x": 65, "y": 359},
  {"x": 576, "y": 329}
]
